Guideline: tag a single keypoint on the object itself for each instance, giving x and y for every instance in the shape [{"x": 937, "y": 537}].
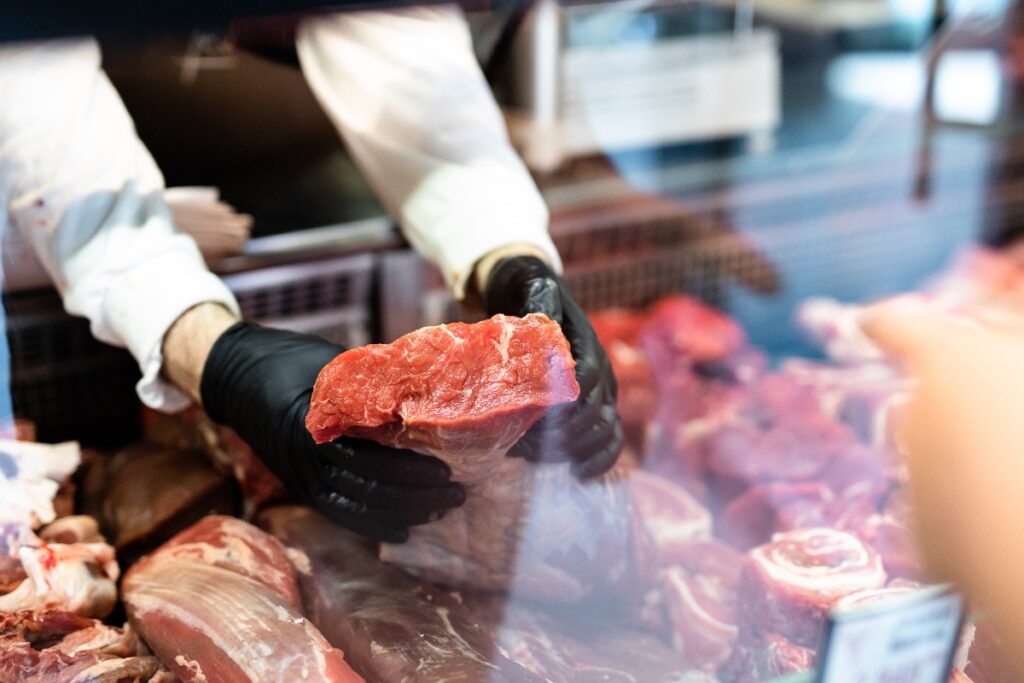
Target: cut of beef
[
  {"x": 219, "y": 602},
  {"x": 617, "y": 331},
  {"x": 681, "y": 333},
  {"x": 391, "y": 627},
  {"x": 192, "y": 429},
  {"x": 776, "y": 433},
  {"x": 145, "y": 494},
  {"x": 788, "y": 585},
  {"x": 61, "y": 647},
  {"x": 459, "y": 388}
]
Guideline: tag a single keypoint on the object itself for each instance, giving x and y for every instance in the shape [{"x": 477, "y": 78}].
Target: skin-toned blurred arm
[
  {"x": 964, "y": 440},
  {"x": 188, "y": 342}
]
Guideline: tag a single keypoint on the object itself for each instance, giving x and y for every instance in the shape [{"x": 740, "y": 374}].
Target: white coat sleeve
[
  {"x": 79, "y": 184},
  {"x": 405, "y": 91}
]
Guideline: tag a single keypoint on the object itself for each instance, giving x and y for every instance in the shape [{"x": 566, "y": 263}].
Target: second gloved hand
[
  {"x": 258, "y": 381},
  {"x": 588, "y": 432}
]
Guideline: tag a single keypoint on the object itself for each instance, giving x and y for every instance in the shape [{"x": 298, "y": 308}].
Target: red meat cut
[
  {"x": 788, "y": 585},
  {"x": 219, "y": 602},
  {"x": 390, "y": 626},
  {"x": 458, "y": 388},
  {"x": 56, "y": 646}
]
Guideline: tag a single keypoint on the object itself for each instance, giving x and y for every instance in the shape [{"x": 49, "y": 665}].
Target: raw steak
[
  {"x": 670, "y": 522},
  {"x": 777, "y": 433},
  {"x": 681, "y": 332},
  {"x": 145, "y": 494},
  {"x": 617, "y": 331},
  {"x": 62, "y": 647},
  {"x": 788, "y": 586},
  {"x": 219, "y": 602},
  {"x": 391, "y": 627},
  {"x": 467, "y": 393}
]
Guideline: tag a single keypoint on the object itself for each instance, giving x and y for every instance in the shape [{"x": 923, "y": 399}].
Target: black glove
[
  {"x": 258, "y": 381},
  {"x": 587, "y": 432}
]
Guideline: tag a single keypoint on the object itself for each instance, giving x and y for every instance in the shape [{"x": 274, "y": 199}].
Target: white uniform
[{"x": 403, "y": 88}]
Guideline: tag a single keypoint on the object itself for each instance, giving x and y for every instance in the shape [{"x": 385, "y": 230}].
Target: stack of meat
[{"x": 57, "y": 578}]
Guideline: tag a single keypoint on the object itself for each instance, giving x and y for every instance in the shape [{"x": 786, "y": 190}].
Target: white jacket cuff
[
  {"x": 143, "y": 303},
  {"x": 471, "y": 211}
]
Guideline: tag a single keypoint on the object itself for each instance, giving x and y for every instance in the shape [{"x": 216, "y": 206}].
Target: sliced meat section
[
  {"x": 219, "y": 602},
  {"x": 77, "y": 577},
  {"x": 770, "y": 658},
  {"x": 702, "y": 614},
  {"x": 391, "y": 627},
  {"x": 62, "y": 647},
  {"x": 788, "y": 585}
]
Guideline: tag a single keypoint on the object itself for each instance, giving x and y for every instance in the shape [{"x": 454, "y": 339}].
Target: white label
[{"x": 905, "y": 639}]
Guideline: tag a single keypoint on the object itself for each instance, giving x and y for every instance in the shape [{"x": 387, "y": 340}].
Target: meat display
[
  {"x": 62, "y": 647},
  {"x": 754, "y": 501},
  {"x": 219, "y": 602},
  {"x": 788, "y": 585},
  {"x": 390, "y": 626}
]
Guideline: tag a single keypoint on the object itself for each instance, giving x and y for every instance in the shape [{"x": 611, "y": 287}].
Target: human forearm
[{"x": 188, "y": 342}]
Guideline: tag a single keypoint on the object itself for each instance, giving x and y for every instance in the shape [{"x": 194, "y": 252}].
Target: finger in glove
[
  {"x": 378, "y": 493},
  {"x": 370, "y": 460}
]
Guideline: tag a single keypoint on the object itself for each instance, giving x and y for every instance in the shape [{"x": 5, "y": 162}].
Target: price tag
[{"x": 909, "y": 638}]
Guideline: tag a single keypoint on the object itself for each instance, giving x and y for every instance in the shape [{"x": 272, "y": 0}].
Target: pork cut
[
  {"x": 219, "y": 602},
  {"x": 390, "y": 626},
  {"x": 788, "y": 585},
  {"x": 61, "y": 647}
]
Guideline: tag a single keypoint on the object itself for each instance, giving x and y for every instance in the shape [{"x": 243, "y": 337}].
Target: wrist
[
  {"x": 484, "y": 266},
  {"x": 188, "y": 342}
]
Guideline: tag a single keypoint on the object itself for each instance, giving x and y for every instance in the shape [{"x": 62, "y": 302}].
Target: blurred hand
[
  {"x": 258, "y": 381},
  {"x": 587, "y": 433},
  {"x": 963, "y": 434}
]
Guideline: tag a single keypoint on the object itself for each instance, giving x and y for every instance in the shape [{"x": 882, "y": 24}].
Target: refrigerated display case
[{"x": 757, "y": 526}]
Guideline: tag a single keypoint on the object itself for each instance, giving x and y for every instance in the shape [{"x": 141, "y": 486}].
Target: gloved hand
[
  {"x": 258, "y": 381},
  {"x": 588, "y": 432}
]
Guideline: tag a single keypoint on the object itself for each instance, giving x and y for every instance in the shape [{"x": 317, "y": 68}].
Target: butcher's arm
[
  {"x": 404, "y": 89},
  {"x": 79, "y": 184},
  {"x": 963, "y": 437}
]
